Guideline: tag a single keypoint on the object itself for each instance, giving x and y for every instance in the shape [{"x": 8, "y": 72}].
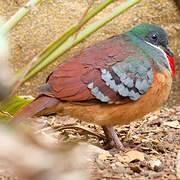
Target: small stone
[{"x": 156, "y": 165}]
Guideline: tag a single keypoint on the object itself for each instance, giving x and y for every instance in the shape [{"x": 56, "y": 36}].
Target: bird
[{"x": 113, "y": 82}]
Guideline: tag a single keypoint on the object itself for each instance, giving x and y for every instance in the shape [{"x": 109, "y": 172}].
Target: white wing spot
[{"x": 90, "y": 85}]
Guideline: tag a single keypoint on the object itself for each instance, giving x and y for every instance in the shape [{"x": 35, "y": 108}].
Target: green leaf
[{"x": 11, "y": 106}]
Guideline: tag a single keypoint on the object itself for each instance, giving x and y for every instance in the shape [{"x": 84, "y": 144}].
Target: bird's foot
[
  {"x": 112, "y": 141},
  {"x": 112, "y": 138}
]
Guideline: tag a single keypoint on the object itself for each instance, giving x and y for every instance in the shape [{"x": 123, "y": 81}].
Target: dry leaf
[
  {"x": 178, "y": 165},
  {"x": 94, "y": 150},
  {"x": 173, "y": 124},
  {"x": 131, "y": 156},
  {"x": 154, "y": 117},
  {"x": 145, "y": 139},
  {"x": 153, "y": 151}
]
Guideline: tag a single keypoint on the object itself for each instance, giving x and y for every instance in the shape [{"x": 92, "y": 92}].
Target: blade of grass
[
  {"x": 85, "y": 33},
  {"x": 84, "y": 15},
  {"x": 11, "y": 23},
  {"x": 73, "y": 29}
]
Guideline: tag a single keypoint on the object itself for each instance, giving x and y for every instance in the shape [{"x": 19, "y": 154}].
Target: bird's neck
[
  {"x": 155, "y": 52},
  {"x": 167, "y": 58}
]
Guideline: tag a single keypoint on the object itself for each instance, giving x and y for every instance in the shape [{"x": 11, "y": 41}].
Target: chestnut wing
[{"x": 109, "y": 71}]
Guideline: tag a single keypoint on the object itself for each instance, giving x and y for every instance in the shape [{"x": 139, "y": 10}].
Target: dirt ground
[
  {"x": 155, "y": 138},
  {"x": 153, "y": 143}
]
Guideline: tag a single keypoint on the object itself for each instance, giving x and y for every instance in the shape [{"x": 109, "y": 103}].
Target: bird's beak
[{"x": 169, "y": 51}]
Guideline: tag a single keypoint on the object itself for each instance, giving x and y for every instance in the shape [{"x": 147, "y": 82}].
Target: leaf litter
[{"x": 153, "y": 143}]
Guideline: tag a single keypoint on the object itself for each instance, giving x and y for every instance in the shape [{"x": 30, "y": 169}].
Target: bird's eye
[{"x": 154, "y": 37}]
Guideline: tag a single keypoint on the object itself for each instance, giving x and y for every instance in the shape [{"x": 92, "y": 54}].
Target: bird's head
[{"x": 156, "y": 37}]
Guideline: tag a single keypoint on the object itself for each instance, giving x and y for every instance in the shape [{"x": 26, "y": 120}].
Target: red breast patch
[{"x": 172, "y": 63}]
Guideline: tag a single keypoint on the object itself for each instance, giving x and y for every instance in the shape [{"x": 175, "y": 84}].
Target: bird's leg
[{"x": 112, "y": 137}]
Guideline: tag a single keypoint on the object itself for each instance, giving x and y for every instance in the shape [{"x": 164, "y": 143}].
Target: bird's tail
[{"x": 39, "y": 104}]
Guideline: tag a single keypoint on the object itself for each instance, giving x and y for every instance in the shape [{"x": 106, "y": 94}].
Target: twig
[
  {"x": 84, "y": 14},
  {"x": 100, "y": 136},
  {"x": 109, "y": 177}
]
